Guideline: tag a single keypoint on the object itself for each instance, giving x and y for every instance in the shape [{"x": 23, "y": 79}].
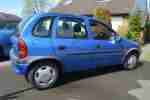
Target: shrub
[{"x": 134, "y": 26}]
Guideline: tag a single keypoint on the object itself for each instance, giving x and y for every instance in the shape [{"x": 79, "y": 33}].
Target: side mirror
[{"x": 118, "y": 39}]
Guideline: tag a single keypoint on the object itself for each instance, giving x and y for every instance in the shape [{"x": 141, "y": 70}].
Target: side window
[
  {"x": 100, "y": 31},
  {"x": 42, "y": 28},
  {"x": 71, "y": 28}
]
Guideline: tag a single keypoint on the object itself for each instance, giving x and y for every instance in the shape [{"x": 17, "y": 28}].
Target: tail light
[{"x": 22, "y": 48}]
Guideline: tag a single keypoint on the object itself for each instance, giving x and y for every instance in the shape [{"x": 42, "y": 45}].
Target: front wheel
[
  {"x": 44, "y": 75},
  {"x": 131, "y": 61}
]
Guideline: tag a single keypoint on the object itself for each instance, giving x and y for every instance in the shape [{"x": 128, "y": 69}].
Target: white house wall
[{"x": 116, "y": 22}]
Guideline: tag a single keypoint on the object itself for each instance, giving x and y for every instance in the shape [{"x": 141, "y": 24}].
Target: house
[
  {"x": 4, "y": 17},
  {"x": 118, "y": 8}
]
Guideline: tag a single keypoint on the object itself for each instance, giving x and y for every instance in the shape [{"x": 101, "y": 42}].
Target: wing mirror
[{"x": 118, "y": 38}]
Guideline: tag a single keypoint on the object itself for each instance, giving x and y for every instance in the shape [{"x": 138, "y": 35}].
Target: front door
[
  {"x": 107, "y": 50},
  {"x": 71, "y": 43}
]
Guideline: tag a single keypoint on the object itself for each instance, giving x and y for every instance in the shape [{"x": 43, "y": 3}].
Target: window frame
[
  {"x": 73, "y": 19},
  {"x": 104, "y": 25},
  {"x": 50, "y": 27}
]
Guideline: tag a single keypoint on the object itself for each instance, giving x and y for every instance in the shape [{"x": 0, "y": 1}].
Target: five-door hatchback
[{"x": 50, "y": 44}]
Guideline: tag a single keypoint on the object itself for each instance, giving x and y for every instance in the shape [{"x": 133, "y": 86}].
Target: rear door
[
  {"x": 107, "y": 50},
  {"x": 72, "y": 45}
]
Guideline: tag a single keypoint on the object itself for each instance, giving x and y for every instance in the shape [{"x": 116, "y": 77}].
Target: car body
[
  {"x": 6, "y": 31},
  {"x": 71, "y": 42}
]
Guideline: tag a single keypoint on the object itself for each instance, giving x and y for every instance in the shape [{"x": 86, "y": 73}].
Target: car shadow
[
  {"x": 14, "y": 95},
  {"x": 79, "y": 75},
  {"x": 69, "y": 78},
  {"x": 4, "y": 59}
]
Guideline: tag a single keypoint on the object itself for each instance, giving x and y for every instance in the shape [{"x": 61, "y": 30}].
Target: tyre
[
  {"x": 43, "y": 75},
  {"x": 131, "y": 61}
]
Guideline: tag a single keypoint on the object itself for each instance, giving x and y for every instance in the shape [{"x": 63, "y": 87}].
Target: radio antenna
[{"x": 35, "y": 6}]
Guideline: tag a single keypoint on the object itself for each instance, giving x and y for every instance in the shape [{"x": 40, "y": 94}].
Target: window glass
[
  {"x": 42, "y": 28},
  {"x": 70, "y": 28},
  {"x": 100, "y": 31}
]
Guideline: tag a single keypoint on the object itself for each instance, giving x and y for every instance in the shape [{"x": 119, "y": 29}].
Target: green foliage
[
  {"x": 147, "y": 31},
  {"x": 147, "y": 25},
  {"x": 42, "y": 5},
  {"x": 133, "y": 35},
  {"x": 134, "y": 26},
  {"x": 27, "y": 7}
]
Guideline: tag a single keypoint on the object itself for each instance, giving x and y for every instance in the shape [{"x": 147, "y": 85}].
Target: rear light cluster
[{"x": 22, "y": 49}]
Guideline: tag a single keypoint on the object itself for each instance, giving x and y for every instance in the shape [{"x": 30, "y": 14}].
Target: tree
[
  {"x": 147, "y": 31},
  {"x": 27, "y": 7},
  {"x": 40, "y": 5}
]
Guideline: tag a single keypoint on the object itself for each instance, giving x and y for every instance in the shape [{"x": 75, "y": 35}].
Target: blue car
[
  {"x": 51, "y": 44},
  {"x": 6, "y": 31}
]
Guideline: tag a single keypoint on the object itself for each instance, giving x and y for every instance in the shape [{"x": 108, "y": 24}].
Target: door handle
[
  {"x": 61, "y": 47},
  {"x": 98, "y": 46}
]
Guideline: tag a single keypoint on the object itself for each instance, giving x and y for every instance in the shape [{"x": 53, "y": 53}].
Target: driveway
[{"x": 112, "y": 83}]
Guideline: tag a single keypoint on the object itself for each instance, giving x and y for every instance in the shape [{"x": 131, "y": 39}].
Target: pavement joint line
[{"x": 142, "y": 93}]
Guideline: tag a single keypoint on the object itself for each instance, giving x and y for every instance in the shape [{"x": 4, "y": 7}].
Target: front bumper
[{"x": 20, "y": 67}]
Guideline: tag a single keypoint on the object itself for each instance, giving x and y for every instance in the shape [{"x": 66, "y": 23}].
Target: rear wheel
[
  {"x": 131, "y": 61},
  {"x": 44, "y": 75}
]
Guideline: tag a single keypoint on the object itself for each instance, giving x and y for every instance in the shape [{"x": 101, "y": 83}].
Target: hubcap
[
  {"x": 45, "y": 76},
  {"x": 132, "y": 61}
]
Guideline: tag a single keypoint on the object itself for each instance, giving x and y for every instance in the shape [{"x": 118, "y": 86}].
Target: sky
[
  {"x": 11, "y": 6},
  {"x": 15, "y": 6},
  {"x": 141, "y": 3}
]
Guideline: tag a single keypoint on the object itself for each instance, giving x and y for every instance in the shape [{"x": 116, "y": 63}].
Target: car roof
[{"x": 63, "y": 15}]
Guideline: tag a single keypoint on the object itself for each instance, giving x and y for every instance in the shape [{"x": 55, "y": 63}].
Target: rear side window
[{"x": 42, "y": 28}]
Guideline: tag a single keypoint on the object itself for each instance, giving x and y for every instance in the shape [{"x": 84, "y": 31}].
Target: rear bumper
[
  {"x": 18, "y": 66},
  {"x": 19, "y": 69}
]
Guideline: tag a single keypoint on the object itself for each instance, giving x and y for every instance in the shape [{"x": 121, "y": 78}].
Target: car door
[
  {"x": 107, "y": 50},
  {"x": 71, "y": 43}
]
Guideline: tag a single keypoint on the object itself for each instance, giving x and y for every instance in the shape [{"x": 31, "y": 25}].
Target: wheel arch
[
  {"x": 58, "y": 62},
  {"x": 130, "y": 51}
]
